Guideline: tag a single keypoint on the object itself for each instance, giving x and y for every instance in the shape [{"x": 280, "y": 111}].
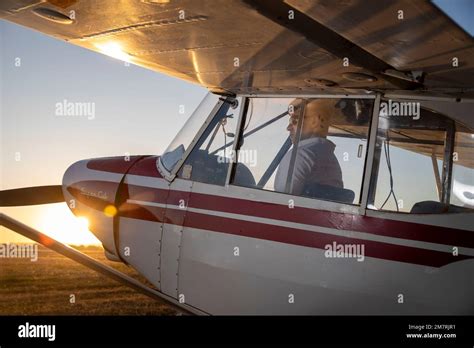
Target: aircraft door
[
  {"x": 207, "y": 161},
  {"x": 176, "y": 207}
]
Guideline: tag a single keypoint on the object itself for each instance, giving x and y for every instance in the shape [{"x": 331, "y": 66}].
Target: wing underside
[{"x": 268, "y": 47}]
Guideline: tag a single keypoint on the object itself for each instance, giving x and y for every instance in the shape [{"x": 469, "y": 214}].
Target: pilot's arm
[
  {"x": 304, "y": 163},
  {"x": 301, "y": 172}
]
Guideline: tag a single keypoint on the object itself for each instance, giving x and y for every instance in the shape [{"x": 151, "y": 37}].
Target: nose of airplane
[{"x": 91, "y": 188}]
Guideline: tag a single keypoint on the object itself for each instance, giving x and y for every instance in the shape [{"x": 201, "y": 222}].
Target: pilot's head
[{"x": 317, "y": 118}]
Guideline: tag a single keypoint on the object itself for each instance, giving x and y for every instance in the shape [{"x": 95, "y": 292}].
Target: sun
[{"x": 58, "y": 222}]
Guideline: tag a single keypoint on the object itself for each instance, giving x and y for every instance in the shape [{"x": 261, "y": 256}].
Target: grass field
[{"x": 45, "y": 287}]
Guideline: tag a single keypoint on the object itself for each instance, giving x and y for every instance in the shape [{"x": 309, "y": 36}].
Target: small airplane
[{"x": 330, "y": 170}]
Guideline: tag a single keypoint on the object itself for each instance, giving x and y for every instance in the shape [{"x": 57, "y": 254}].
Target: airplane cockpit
[{"x": 319, "y": 147}]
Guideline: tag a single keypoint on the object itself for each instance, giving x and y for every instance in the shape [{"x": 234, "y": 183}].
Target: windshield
[{"x": 183, "y": 139}]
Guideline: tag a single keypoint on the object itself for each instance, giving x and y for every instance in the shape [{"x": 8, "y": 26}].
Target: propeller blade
[
  {"x": 89, "y": 262},
  {"x": 31, "y": 196}
]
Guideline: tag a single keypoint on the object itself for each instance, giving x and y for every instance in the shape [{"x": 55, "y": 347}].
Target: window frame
[
  {"x": 369, "y": 172},
  {"x": 447, "y": 167},
  {"x": 317, "y": 203},
  {"x": 170, "y": 176},
  {"x": 238, "y": 133},
  {"x": 461, "y": 220}
]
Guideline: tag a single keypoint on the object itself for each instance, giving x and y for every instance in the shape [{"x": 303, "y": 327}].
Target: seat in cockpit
[
  {"x": 433, "y": 207},
  {"x": 329, "y": 193}
]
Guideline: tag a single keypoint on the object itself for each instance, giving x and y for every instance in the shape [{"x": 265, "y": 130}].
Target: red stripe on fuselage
[
  {"x": 340, "y": 221},
  {"x": 318, "y": 218},
  {"x": 118, "y": 165},
  {"x": 319, "y": 240},
  {"x": 314, "y": 217},
  {"x": 146, "y": 167},
  {"x": 375, "y": 249}
]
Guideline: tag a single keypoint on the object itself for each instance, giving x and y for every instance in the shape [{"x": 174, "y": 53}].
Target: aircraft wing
[{"x": 261, "y": 46}]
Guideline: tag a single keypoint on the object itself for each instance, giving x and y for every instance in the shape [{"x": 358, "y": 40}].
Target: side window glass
[
  {"x": 409, "y": 159},
  {"x": 263, "y": 142},
  {"x": 329, "y": 145},
  {"x": 308, "y": 147},
  {"x": 209, "y": 160},
  {"x": 462, "y": 187}
]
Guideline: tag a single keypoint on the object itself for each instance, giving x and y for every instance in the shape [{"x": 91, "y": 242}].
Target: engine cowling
[{"x": 91, "y": 189}]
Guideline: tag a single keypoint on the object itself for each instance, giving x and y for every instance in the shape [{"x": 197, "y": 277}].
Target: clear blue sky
[{"x": 461, "y": 11}]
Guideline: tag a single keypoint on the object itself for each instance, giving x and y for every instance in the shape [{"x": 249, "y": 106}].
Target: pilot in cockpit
[{"x": 316, "y": 167}]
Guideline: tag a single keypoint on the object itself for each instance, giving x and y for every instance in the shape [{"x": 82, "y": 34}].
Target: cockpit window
[
  {"x": 183, "y": 139},
  {"x": 212, "y": 154},
  {"x": 263, "y": 141},
  {"x": 422, "y": 163},
  {"x": 305, "y": 147}
]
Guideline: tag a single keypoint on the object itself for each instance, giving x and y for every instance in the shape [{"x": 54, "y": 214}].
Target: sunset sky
[{"x": 136, "y": 111}]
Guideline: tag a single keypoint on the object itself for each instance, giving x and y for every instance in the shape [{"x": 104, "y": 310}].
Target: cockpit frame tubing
[
  {"x": 369, "y": 163},
  {"x": 301, "y": 115},
  {"x": 448, "y": 163},
  {"x": 238, "y": 135}
]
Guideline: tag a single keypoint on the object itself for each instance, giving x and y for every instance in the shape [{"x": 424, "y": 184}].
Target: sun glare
[
  {"x": 114, "y": 50},
  {"x": 59, "y": 223},
  {"x": 83, "y": 223}
]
